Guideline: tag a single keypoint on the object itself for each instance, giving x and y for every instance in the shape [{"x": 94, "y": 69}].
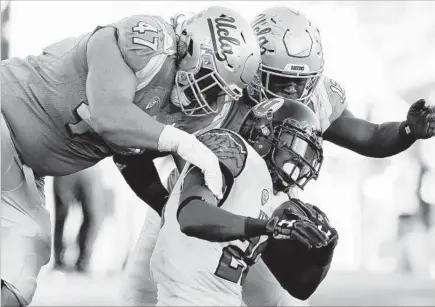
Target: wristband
[
  {"x": 254, "y": 227},
  {"x": 405, "y": 133}
]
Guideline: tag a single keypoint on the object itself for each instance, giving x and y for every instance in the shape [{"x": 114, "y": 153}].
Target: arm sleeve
[{"x": 141, "y": 175}]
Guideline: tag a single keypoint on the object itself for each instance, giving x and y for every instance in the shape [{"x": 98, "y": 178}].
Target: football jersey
[
  {"x": 45, "y": 104},
  {"x": 328, "y": 101},
  {"x": 200, "y": 272}
]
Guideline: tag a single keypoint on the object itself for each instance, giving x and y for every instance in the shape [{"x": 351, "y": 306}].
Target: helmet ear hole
[{"x": 190, "y": 48}]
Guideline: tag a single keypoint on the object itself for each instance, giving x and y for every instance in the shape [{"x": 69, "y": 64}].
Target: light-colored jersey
[
  {"x": 192, "y": 271},
  {"x": 45, "y": 104},
  {"x": 328, "y": 101},
  {"x": 44, "y": 97}
]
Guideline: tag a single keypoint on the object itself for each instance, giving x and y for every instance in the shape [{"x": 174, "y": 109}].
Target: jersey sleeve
[
  {"x": 145, "y": 42},
  {"x": 331, "y": 100},
  {"x": 231, "y": 152},
  {"x": 228, "y": 147}
]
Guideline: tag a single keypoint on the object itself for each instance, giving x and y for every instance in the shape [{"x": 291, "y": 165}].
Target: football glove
[
  {"x": 421, "y": 120},
  {"x": 189, "y": 148},
  {"x": 291, "y": 225},
  {"x": 317, "y": 217}
]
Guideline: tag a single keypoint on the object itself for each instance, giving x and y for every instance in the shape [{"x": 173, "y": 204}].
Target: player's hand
[
  {"x": 189, "y": 148},
  {"x": 195, "y": 152},
  {"x": 296, "y": 227},
  {"x": 318, "y": 218},
  {"x": 421, "y": 119}
]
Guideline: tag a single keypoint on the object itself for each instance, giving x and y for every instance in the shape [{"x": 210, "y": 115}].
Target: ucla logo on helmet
[{"x": 222, "y": 30}]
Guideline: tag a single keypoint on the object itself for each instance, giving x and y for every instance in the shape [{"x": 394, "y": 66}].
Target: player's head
[
  {"x": 291, "y": 54},
  {"x": 218, "y": 54},
  {"x": 286, "y": 133}
]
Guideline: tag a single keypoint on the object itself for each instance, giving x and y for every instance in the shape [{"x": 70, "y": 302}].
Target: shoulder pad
[
  {"x": 229, "y": 147},
  {"x": 145, "y": 42}
]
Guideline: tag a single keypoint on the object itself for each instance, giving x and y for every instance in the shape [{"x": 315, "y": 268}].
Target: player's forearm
[
  {"x": 141, "y": 175},
  {"x": 206, "y": 221},
  {"x": 127, "y": 126},
  {"x": 387, "y": 141},
  {"x": 370, "y": 140}
]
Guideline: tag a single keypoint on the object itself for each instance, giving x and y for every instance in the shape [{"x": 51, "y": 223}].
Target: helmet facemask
[
  {"x": 272, "y": 79},
  {"x": 196, "y": 90},
  {"x": 291, "y": 52},
  {"x": 296, "y": 156}
]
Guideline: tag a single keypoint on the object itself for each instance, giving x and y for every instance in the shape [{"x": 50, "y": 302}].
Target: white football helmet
[
  {"x": 291, "y": 51},
  {"x": 218, "y": 54}
]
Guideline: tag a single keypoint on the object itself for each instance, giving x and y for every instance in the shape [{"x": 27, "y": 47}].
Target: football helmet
[
  {"x": 218, "y": 54},
  {"x": 287, "y": 134},
  {"x": 291, "y": 53}
]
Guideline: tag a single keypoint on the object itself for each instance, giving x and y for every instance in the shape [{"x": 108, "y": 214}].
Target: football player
[
  {"x": 292, "y": 67},
  {"x": 275, "y": 153},
  {"x": 117, "y": 90}
]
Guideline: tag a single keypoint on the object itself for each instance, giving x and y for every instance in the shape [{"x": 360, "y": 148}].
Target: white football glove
[{"x": 188, "y": 147}]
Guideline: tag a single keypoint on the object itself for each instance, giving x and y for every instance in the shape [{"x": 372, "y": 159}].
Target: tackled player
[{"x": 258, "y": 166}]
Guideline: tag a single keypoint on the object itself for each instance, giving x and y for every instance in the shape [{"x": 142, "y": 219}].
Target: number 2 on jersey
[
  {"x": 141, "y": 28},
  {"x": 234, "y": 263}
]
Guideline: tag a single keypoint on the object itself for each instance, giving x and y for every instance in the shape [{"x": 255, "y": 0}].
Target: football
[{"x": 285, "y": 255}]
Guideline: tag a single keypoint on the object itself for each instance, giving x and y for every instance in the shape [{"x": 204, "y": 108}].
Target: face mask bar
[
  {"x": 258, "y": 91},
  {"x": 307, "y": 169},
  {"x": 189, "y": 80}
]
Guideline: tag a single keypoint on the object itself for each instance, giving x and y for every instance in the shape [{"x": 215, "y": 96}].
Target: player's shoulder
[
  {"x": 143, "y": 37},
  {"x": 228, "y": 146},
  {"x": 331, "y": 90},
  {"x": 330, "y": 98}
]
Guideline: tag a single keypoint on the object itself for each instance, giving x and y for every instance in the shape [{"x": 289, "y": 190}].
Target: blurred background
[{"x": 382, "y": 54}]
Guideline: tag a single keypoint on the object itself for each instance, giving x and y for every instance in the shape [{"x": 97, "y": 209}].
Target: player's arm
[
  {"x": 200, "y": 216},
  {"x": 384, "y": 140},
  {"x": 110, "y": 88},
  {"x": 141, "y": 175},
  {"x": 199, "y": 213}
]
